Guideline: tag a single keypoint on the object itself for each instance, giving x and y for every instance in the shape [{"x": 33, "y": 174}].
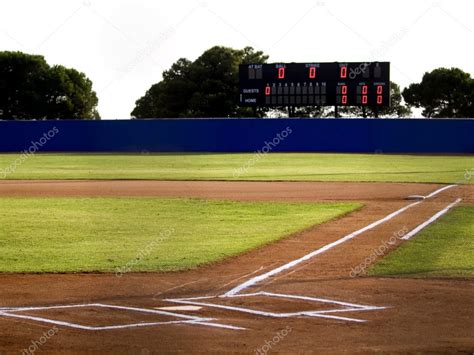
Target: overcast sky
[{"x": 124, "y": 45}]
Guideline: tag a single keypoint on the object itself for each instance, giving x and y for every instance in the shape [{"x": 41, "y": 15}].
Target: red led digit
[
  {"x": 364, "y": 99},
  {"x": 344, "y": 99},
  {"x": 379, "y": 89},
  {"x": 312, "y": 72},
  {"x": 379, "y": 100},
  {"x": 343, "y": 72},
  {"x": 281, "y": 73},
  {"x": 364, "y": 90},
  {"x": 344, "y": 90},
  {"x": 267, "y": 90}
]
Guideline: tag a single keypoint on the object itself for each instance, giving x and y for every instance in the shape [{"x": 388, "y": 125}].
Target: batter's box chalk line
[
  {"x": 205, "y": 301},
  {"x": 18, "y": 312}
]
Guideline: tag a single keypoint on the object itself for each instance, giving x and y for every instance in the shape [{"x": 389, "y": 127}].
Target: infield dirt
[{"x": 420, "y": 314}]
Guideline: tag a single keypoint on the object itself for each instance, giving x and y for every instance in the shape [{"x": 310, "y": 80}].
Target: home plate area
[
  {"x": 102, "y": 317},
  {"x": 277, "y": 305}
]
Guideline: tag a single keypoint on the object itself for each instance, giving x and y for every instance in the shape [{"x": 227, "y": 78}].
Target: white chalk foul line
[
  {"x": 430, "y": 220},
  {"x": 291, "y": 264},
  {"x": 309, "y": 256},
  {"x": 434, "y": 193}
]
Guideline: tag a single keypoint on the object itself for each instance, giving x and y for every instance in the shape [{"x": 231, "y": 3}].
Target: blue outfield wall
[{"x": 241, "y": 135}]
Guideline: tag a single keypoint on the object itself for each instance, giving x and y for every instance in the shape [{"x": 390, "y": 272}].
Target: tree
[
  {"x": 31, "y": 89},
  {"x": 70, "y": 95},
  {"x": 207, "y": 87},
  {"x": 307, "y": 111},
  {"x": 443, "y": 93},
  {"x": 396, "y": 108}
]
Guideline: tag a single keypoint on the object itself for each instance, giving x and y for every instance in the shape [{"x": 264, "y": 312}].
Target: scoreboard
[{"x": 315, "y": 84}]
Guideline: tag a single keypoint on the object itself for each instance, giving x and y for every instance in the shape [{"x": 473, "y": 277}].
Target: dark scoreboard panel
[{"x": 315, "y": 84}]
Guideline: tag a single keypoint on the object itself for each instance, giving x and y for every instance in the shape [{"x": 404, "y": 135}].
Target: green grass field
[
  {"x": 445, "y": 249},
  {"x": 290, "y": 166},
  {"x": 143, "y": 234}
]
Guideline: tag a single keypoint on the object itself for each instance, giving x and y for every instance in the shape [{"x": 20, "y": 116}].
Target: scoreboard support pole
[
  {"x": 291, "y": 111},
  {"x": 376, "y": 112}
]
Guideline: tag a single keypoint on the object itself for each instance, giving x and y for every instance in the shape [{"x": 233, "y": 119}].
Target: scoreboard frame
[{"x": 315, "y": 84}]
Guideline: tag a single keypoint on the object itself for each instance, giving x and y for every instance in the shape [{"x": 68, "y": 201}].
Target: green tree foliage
[
  {"x": 207, "y": 87},
  {"x": 304, "y": 111},
  {"x": 443, "y": 93},
  {"x": 31, "y": 89}
]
